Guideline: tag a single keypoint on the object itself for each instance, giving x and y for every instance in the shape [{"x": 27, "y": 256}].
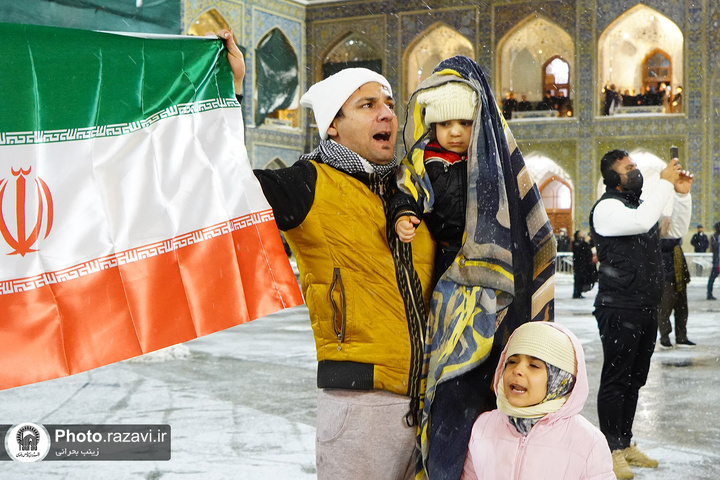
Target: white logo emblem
[{"x": 27, "y": 442}]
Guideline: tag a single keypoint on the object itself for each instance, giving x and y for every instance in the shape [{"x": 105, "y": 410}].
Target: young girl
[{"x": 537, "y": 431}]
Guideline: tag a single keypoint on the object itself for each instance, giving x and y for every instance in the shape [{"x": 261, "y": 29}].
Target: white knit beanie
[
  {"x": 327, "y": 97},
  {"x": 449, "y": 101},
  {"x": 542, "y": 340}
]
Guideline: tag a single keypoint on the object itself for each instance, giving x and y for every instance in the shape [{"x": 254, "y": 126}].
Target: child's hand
[{"x": 405, "y": 228}]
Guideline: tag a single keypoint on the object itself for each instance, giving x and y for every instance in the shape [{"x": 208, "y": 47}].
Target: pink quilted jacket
[{"x": 561, "y": 446}]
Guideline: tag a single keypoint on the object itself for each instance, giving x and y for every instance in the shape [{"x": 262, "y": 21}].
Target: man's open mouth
[{"x": 384, "y": 136}]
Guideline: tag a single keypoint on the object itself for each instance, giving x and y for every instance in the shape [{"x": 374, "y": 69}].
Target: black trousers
[
  {"x": 577, "y": 285},
  {"x": 711, "y": 279},
  {"x": 628, "y": 340}
]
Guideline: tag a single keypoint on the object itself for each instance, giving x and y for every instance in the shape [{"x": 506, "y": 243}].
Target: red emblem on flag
[{"x": 30, "y": 207}]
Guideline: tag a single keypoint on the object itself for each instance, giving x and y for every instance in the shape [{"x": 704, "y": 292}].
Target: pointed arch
[
  {"x": 523, "y": 52},
  {"x": 656, "y": 68},
  {"x": 556, "y": 189},
  {"x": 632, "y": 39},
  {"x": 276, "y": 69},
  {"x": 556, "y": 195},
  {"x": 275, "y": 164},
  {"x": 556, "y": 76},
  {"x": 352, "y": 49},
  {"x": 435, "y": 44},
  {"x": 210, "y": 21}
]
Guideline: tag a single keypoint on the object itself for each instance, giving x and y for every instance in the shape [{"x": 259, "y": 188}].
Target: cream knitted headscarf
[
  {"x": 543, "y": 341},
  {"x": 449, "y": 101}
]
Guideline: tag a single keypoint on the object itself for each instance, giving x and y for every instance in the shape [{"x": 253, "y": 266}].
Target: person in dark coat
[
  {"x": 563, "y": 241},
  {"x": 700, "y": 243},
  {"x": 546, "y": 102},
  {"x": 509, "y": 105},
  {"x": 584, "y": 270},
  {"x": 524, "y": 105},
  {"x": 715, "y": 270},
  {"x": 612, "y": 100}
]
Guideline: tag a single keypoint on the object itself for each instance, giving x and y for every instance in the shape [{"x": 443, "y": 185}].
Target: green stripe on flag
[{"x": 59, "y": 78}]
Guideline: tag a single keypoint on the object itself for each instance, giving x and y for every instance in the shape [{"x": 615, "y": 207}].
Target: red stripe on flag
[
  {"x": 124, "y": 311},
  {"x": 264, "y": 292}
]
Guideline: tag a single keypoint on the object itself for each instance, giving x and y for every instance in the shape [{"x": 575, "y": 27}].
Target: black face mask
[{"x": 634, "y": 182}]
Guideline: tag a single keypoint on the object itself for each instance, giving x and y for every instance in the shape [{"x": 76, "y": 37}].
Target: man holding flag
[
  {"x": 370, "y": 326},
  {"x": 131, "y": 221},
  {"x": 365, "y": 290}
]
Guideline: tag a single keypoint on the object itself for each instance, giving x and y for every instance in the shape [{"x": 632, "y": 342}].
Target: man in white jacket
[{"x": 630, "y": 285}]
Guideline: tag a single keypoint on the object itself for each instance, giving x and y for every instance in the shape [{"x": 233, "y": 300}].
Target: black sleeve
[
  {"x": 290, "y": 192},
  {"x": 402, "y": 204}
]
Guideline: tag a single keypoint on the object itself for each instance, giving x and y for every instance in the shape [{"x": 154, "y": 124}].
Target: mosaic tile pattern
[
  {"x": 609, "y": 10},
  {"x": 231, "y": 10},
  {"x": 509, "y": 14},
  {"x": 263, "y": 21},
  {"x": 485, "y": 40},
  {"x": 713, "y": 97},
  {"x": 695, "y": 86},
  {"x": 262, "y": 154},
  {"x": 585, "y": 106},
  {"x": 713, "y": 166},
  {"x": 414, "y": 23},
  {"x": 251, "y": 20},
  {"x": 392, "y": 25},
  {"x": 323, "y": 37}
]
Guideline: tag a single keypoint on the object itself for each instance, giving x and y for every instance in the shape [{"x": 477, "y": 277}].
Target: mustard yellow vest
[{"x": 348, "y": 279}]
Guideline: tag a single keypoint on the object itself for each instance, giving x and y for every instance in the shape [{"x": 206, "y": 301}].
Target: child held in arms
[
  {"x": 449, "y": 112},
  {"x": 537, "y": 430}
]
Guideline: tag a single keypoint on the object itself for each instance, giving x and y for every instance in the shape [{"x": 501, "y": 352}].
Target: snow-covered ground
[{"x": 241, "y": 403}]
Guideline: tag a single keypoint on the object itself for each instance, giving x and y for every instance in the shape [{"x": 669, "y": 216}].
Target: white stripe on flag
[{"x": 129, "y": 192}]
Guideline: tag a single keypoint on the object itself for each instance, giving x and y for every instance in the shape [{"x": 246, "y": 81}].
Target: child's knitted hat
[
  {"x": 541, "y": 340},
  {"x": 449, "y": 101},
  {"x": 327, "y": 97}
]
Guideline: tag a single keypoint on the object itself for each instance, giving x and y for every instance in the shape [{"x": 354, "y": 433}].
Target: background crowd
[
  {"x": 559, "y": 103},
  {"x": 651, "y": 95}
]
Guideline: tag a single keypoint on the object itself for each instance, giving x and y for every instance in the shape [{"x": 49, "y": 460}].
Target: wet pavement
[{"x": 241, "y": 403}]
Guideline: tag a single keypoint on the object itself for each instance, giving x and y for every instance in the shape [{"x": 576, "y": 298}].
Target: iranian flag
[{"x": 130, "y": 218}]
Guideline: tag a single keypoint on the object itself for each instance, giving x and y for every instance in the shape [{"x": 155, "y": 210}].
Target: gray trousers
[{"x": 363, "y": 435}]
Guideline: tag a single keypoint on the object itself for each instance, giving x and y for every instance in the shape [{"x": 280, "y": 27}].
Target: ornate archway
[
  {"x": 525, "y": 51},
  {"x": 430, "y": 48},
  {"x": 557, "y": 197},
  {"x": 353, "y": 50},
  {"x": 639, "y": 45}
]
